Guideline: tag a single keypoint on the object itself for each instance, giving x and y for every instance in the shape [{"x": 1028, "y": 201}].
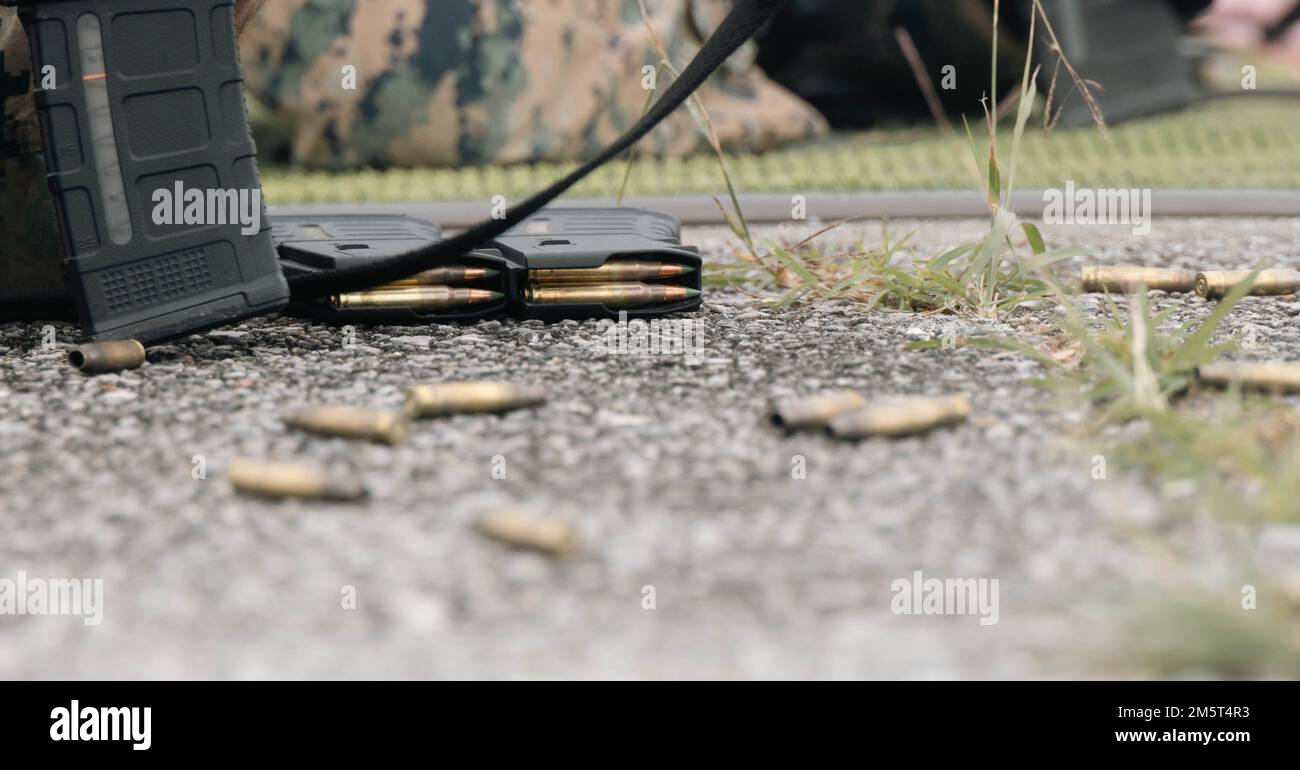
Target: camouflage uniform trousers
[
  {"x": 463, "y": 82},
  {"x": 29, "y": 242}
]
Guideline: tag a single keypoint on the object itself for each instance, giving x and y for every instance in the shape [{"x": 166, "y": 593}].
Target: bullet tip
[
  {"x": 692, "y": 293},
  {"x": 489, "y": 272}
]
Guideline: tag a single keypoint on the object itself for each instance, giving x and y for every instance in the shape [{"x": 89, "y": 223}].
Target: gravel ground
[{"x": 666, "y": 467}]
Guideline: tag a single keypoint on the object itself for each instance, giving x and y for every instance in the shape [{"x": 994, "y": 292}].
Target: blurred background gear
[
  {"x": 845, "y": 56},
  {"x": 1131, "y": 48}
]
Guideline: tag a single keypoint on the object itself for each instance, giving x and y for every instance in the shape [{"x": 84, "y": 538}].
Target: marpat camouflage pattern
[{"x": 463, "y": 82}]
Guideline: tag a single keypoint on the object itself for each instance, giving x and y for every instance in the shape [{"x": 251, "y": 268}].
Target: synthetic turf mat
[{"x": 1243, "y": 143}]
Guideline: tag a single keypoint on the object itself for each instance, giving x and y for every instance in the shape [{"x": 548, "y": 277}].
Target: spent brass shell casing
[
  {"x": 444, "y": 276},
  {"x": 815, "y": 411},
  {"x": 1213, "y": 284},
  {"x": 1126, "y": 279},
  {"x": 298, "y": 480},
  {"x": 351, "y": 422},
  {"x": 608, "y": 294},
  {"x": 522, "y": 529},
  {"x": 111, "y": 356},
  {"x": 1269, "y": 377},
  {"x": 612, "y": 271},
  {"x": 901, "y": 417},
  {"x": 414, "y": 298},
  {"x": 1290, "y": 585},
  {"x": 471, "y": 398}
]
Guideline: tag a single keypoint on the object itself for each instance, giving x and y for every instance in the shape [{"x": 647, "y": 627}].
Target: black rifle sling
[{"x": 741, "y": 24}]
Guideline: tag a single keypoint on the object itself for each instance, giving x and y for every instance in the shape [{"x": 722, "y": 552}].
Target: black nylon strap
[{"x": 744, "y": 20}]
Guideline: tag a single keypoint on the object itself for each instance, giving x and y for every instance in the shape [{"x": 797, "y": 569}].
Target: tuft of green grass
[
  {"x": 1195, "y": 634},
  {"x": 1242, "y": 455},
  {"x": 1132, "y": 365},
  {"x": 963, "y": 281},
  {"x": 892, "y": 276},
  {"x": 1129, "y": 365},
  {"x": 988, "y": 278}
]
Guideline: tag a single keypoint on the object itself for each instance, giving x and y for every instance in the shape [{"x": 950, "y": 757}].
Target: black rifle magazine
[
  {"x": 591, "y": 237},
  {"x": 152, "y": 165},
  {"x": 554, "y": 238},
  {"x": 313, "y": 243}
]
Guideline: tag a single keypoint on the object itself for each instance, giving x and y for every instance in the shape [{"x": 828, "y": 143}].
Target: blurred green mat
[{"x": 1241, "y": 143}]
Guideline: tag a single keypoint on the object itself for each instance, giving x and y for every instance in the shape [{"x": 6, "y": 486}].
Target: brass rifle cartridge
[
  {"x": 471, "y": 398},
  {"x": 1126, "y": 279},
  {"x": 111, "y": 356},
  {"x": 444, "y": 276},
  {"x": 522, "y": 529},
  {"x": 608, "y": 294},
  {"x": 351, "y": 422},
  {"x": 1213, "y": 284},
  {"x": 299, "y": 480},
  {"x": 1269, "y": 377},
  {"x": 815, "y": 411},
  {"x": 901, "y": 417}
]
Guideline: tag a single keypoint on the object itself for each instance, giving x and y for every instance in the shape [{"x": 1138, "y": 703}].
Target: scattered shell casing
[
  {"x": 815, "y": 411},
  {"x": 299, "y": 480},
  {"x": 1270, "y": 377},
  {"x": 1213, "y": 284},
  {"x": 901, "y": 417},
  {"x": 471, "y": 398},
  {"x": 1126, "y": 279},
  {"x": 351, "y": 422},
  {"x": 1289, "y": 584},
  {"x": 523, "y": 529},
  {"x": 110, "y": 356}
]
